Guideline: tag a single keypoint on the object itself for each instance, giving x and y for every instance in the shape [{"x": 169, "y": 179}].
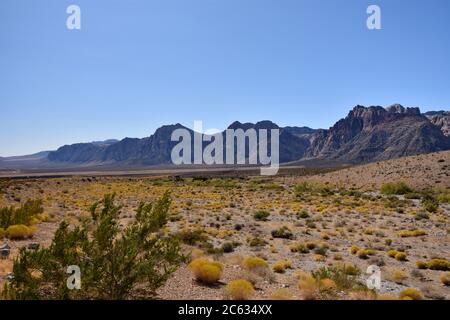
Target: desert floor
[{"x": 337, "y": 210}]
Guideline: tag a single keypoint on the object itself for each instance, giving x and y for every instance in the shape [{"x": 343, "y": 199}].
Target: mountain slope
[{"x": 365, "y": 134}]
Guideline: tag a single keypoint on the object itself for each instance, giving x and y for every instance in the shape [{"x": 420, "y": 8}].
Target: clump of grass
[
  {"x": 395, "y": 188},
  {"x": 206, "y": 271},
  {"x": 239, "y": 289},
  {"x": 398, "y": 276},
  {"x": 255, "y": 265},
  {"x": 282, "y": 294},
  {"x": 281, "y": 266},
  {"x": 430, "y": 203},
  {"x": 411, "y": 294}
]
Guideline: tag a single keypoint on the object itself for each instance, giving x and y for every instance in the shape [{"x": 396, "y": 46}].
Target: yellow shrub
[
  {"x": 401, "y": 256},
  {"x": 327, "y": 285},
  {"x": 363, "y": 254},
  {"x": 421, "y": 264},
  {"x": 239, "y": 290},
  {"x": 392, "y": 253},
  {"x": 308, "y": 286},
  {"x": 398, "y": 276},
  {"x": 19, "y": 232},
  {"x": 354, "y": 249},
  {"x": 445, "y": 279},
  {"x": 438, "y": 264},
  {"x": 206, "y": 271},
  {"x": 282, "y": 294},
  {"x": 2, "y": 233},
  {"x": 254, "y": 263},
  {"x": 411, "y": 233},
  {"x": 411, "y": 294},
  {"x": 281, "y": 266}
]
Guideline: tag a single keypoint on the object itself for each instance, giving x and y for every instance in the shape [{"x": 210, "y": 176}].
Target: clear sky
[{"x": 138, "y": 64}]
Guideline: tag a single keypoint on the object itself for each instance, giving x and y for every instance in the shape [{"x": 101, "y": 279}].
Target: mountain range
[{"x": 366, "y": 134}]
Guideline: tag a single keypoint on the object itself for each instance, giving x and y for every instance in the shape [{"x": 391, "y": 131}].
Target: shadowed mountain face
[
  {"x": 440, "y": 119},
  {"x": 366, "y": 134},
  {"x": 375, "y": 133}
]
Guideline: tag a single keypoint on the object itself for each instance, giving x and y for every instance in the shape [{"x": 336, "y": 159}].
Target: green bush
[
  {"x": 397, "y": 188},
  {"x": 261, "y": 215},
  {"x": 283, "y": 233},
  {"x": 23, "y": 215},
  {"x": 117, "y": 262}
]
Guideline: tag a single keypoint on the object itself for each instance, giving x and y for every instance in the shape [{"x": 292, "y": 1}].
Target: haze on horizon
[{"x": 136, "y": 66}]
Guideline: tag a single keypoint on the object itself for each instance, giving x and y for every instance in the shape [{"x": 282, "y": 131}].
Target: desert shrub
[
  {"x": 282, "y": 294},
  {"x": 308, "y": 286},
  {"x": 398, "y": 276},
  {"x": 301, "y": 248},
  {"x": 281, "y": 266},
  {"x": 302, "y": 187},
  {"x": 397, "y": 188},
  {"x": 430, "y": 203},
  {"x": 305, "y": 187},
  {"x": 206, "y": 271},
  {"x": 392, "y": 253},
  {"x": 192, "y": 237},
  {"x": 400, "y": 256},
  {"x": 445, "y": 279},
  {"x": 283, "y": 233},
  {"x": 20, "y": 216},
  {"x": 342, "y": 279},
  {"x": 422, "y": 216},
  {"x": 311, "y": 245},
  {"x": 117, "y": 262},
  {"x": 261, "y": 215},
  {"x": 2, "y": 233},
  {"x": 256, "y": 242},
  {"x": 349, "y": 269},
  {"x": 239, "y": 290},
  {"x": 303, "y": 214},
  {"x": 410, "y": 294},
  {"x": 253, "y": 263},
  {"x": 363, "y": 254},
  {"x": 354, "y": 249},
  {"x": 258, "y": 266},
  {"x": 327, "y": 285},
  {"x": 411, "y": 233},
  {"x": 19, "y": 232},
  {"x": 438, "y": 264},
  {"x": 228, "y": 247},
  {"x": 421, "y": 264}
]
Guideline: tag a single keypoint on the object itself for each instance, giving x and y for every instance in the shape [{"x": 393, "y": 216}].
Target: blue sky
[{"x": 139, "y": 64}]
